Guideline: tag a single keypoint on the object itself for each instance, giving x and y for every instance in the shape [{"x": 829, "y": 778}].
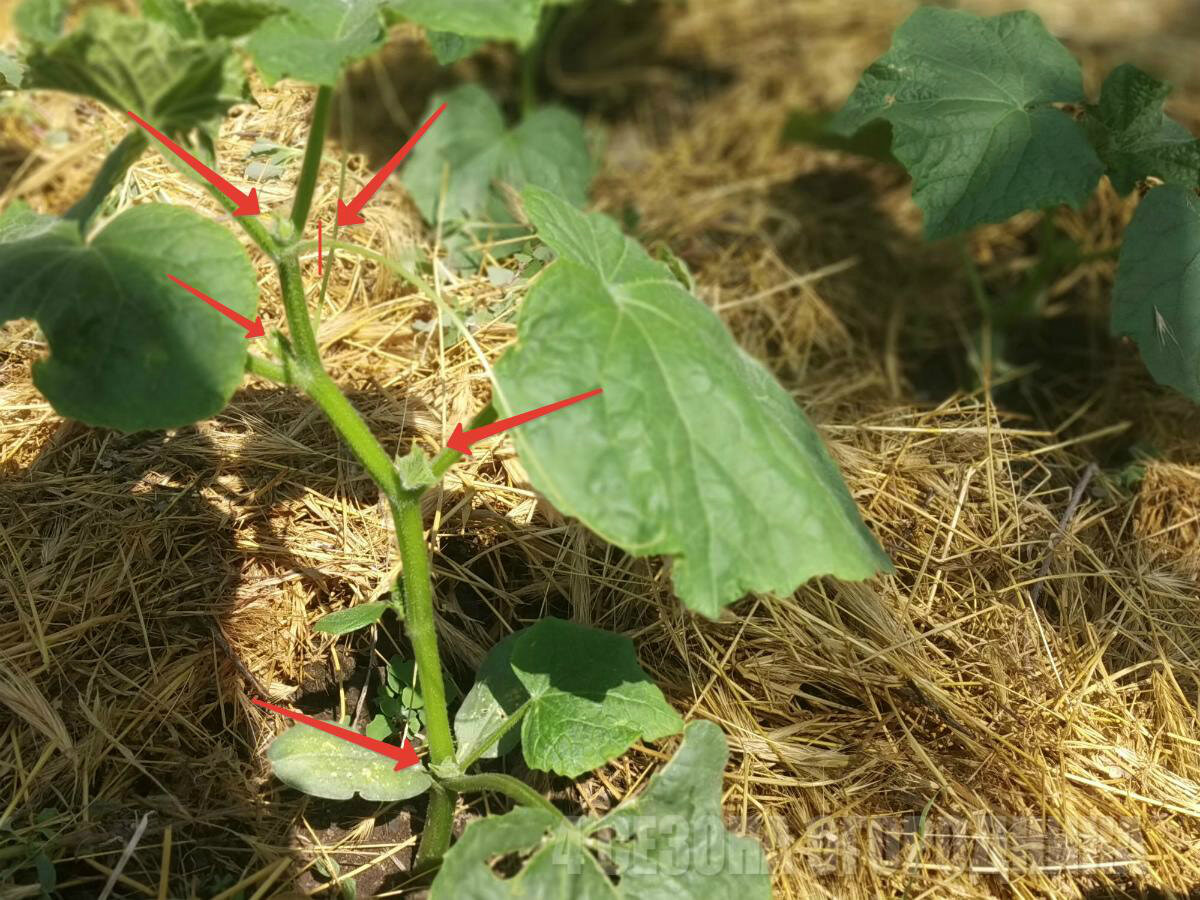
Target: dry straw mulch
[{"x": 1023, "y": 693}]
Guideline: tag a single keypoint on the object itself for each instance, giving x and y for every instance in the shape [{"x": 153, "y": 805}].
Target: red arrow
[
  {"x": 247, "y": 204},
  {"x": 348, "y": 213},
  {"x": 462, "y": 440},
  {"x": 253, "y": 329},
  {"x": 405, "y": 756}
]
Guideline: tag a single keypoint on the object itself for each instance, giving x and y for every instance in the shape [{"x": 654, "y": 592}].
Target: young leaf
[
  {"x": 693, "y": 449},
  {"x": 669, "y": 842},
  {"x": 1135, "y": 137},
  {"x": 496, "y": 694},
  {"x": 450, "y": 48},
  {"x": 1156, "y": 300},
  {"x": 501, "y": 20},
  {"x": 969, "y": 99},
  {"x": 323, "y": 765},
  {"x": 313, "y": 40},
  {"x": 40, "y": 21},
  {"x": 344, "y": 621},
  {"x": 589, "y": 700},
  {"x": 549, "y": 149},
  {"x": 379, "y": 729},
  {"x": 416, "y": 471},
  {"x": 129, "y": 349},
  {"x": 141, "y": 65}
]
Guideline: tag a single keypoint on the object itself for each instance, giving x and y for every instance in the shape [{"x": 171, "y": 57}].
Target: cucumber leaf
[
  {"x": 669, "y": 842},
  {"x": 313, "y": 40},
  {"x": 449, "y": 47},
  {"x": 501, "y": 20},
  {"x": 478, "y": 156},
  {"x": 233, "y": 18},
  {"x": 322, "y": 765},
  {"x": 496, "y": 694},
  {"x": 1156, "y": 299},
  {"x": 141, "y": 65},
  {"x": 970, "y": 103},
  {"x": 129, "y": 349},
  {"x": 12, "y": 72},
  {"x": 588, "y": 699},
  {"x": 40, "y": 21},
  {"x": 175, "y": 14},
  {"x": 693, "y": 450},
  {"x": 1135, "y": 137},
  {"x": 356, "y": 618}
]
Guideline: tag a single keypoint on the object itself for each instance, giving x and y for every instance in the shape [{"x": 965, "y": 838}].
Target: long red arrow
[
  {"x": 348, "y": 213},
  {"x": 247, "y": 204},
  {"x": 462, "y": 440},
  {"x": 404, "y": 756},
  {"x": 253, "y": 329}
]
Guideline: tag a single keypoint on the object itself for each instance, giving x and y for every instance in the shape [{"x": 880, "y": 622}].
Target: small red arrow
[
  {"x": 253, "y": 329},
  {"x": 404, "y": 756},
  {"x": 247, "y": 204},
  {"x": 348, "y": 213},
  {"x": 462, "y": 440}
]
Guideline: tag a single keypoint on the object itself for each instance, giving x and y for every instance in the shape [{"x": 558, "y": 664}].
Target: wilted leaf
[
  {"x": 129, "y": 349},
  {"x": 970, "y": 101},
  {"x": 693, "y": 450}
]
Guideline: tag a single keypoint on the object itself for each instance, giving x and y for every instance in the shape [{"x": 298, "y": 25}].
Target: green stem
[
  {"x": 419, "y": 623},
  {"x": 312, "y": 158},
  {"x": 438, "y": 829},
  {"x": 111, "y": 174},
  {"x": 501, "y": 784},
  {"x": 267, "y": 368}
]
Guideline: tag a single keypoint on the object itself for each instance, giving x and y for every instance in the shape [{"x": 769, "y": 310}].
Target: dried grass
[{"x": 1032, "y": 660}]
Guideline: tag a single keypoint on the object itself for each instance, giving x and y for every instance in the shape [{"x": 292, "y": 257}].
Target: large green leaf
[
  {"x": 313, "y": 40},
  {"x": 234, "y": 18},
  {"x": 693, "y": 449},
  {"x": 970, "y": 101},
  {"x": 503, "y": 20},
  {"x": 475, "y": 156},
  {"x": 175, "y": 14},
  {"x": 141, "y": 65},
  {"x": 1156, "y": 299},
  {"x": 670, "y": 843},
  {"x": 129, "y": 349},
  {"x": 588, "y": 699},
  {"x": 324, "y": 765},
  {"x": 1135, "y": 137}
]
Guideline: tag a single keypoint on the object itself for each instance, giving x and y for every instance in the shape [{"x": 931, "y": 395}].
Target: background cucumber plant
[
  {"x": 989, "y": 117},
  {"x": 693, "y": 451}
]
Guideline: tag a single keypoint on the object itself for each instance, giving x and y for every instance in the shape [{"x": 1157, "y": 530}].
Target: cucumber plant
[
  {"x": 989, "y": 117},
  {"x": 692, "y": 452}
]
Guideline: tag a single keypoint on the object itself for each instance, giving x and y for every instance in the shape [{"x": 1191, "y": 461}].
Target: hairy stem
[
  {"x": 312, "y": 158},
  {"x": 311, "y": 377},
  {"x": 501, "y": 784},
  {"x": 111, "y": 174},
  {"x": 439, "y": 824}
]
